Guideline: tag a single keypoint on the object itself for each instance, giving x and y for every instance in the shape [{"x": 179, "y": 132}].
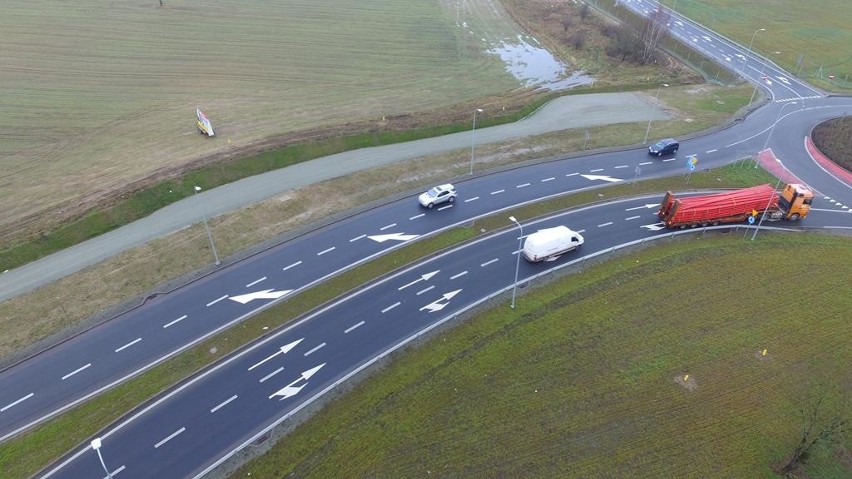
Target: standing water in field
[{"x": 535, "y": 66}]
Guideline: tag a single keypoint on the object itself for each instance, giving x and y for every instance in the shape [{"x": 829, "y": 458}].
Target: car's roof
[{"x": 445, "y": 186}]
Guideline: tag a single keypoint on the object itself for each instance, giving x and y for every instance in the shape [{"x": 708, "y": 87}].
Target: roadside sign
[{"x": 751, "y": 220}]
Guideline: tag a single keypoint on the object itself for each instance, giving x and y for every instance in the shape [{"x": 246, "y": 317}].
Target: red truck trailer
[{"x": 734, "y": 206}]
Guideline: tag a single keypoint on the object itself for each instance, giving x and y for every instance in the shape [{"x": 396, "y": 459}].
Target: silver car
[{"x": 445, "y": 193}]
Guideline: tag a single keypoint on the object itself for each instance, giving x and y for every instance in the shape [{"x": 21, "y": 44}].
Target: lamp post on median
[
  {"x": 761, "y": 79},
  {"x": 206, "y": 226},
  {"x": 96, "y": 445},
  {"x": 473, "y": 138},
  {"x": 748, "y": 52},
  {"x": 768, "y": 203},
  {"x": 656, "y": 98},
  {"x": 774, "y": 193},
  {"x": 517, "y": 260},
  {"x": 771, "y": 130}
]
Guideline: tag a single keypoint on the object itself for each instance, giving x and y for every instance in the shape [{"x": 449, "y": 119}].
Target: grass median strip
[{"x": 25, "y": 455}]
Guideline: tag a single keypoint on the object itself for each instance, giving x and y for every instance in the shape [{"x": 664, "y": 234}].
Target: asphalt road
[
  {"x": 563, "y": 113},
  {"x": 215, "y": 414}
]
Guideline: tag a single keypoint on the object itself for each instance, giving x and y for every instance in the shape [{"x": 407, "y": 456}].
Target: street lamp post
[
  {"x": 473, "y": 138},
  {"x": 96, "y": 445},
  {"x": 656, "y": 98},
  {"x": 771, "y": 130},
  {"x": 760, "y": 79},
  {"x": 207, "y": 227},
  {"x": 768, "y": 203},
  {"x": 517, "y": 260},
  {"x": 778, "y": 183},
  {"x": 749, "y": 49}
]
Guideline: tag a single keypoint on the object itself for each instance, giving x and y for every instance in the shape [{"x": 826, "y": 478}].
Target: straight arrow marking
[
  {"x": 282, "y": 350},
  {"x": 424, "y": 277}
]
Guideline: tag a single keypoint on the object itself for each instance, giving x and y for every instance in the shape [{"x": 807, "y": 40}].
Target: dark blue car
[{"x": 668, "y": 146}]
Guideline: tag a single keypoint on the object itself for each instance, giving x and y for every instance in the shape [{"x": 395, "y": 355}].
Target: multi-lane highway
[
  {"x": 191, "y": 429},
  {"x": 211, "y": 416},
  {"x": 742, "y": 60}
]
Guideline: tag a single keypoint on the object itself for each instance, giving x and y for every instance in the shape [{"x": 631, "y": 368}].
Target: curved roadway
[{"x": 215, "y": 414}]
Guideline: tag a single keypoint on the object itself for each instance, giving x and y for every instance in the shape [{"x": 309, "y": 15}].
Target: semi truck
[
  {"x": 550, "y": 243},
  {"x": 792, "y": 204}
]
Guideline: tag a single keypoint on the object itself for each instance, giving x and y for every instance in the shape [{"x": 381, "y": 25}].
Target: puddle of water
[{"x": 533, "y": 65}]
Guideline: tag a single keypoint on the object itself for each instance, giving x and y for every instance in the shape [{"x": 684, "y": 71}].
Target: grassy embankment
[
  {"x": 588, "y": 376},
  {"x": 72, "y": 301},
  {"x": 834, "y": 139},
  {"x": 812, "y": 41},
  {"x": 23, "y": 456},
  {"x": 123, "y": 155}
]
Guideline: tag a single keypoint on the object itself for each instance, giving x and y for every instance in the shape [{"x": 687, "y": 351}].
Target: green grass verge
[
  {"x": 23, "y": 456},
  {"x": 582, "y": 378},
  {"x": 150, "y": 199}
]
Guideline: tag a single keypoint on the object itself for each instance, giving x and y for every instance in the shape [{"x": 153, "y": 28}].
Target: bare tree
[
  {"x": 624, "y": 44},
  {"x": 816, "y": 429},
  {"x": 567, "y": 21},
  {"x": 584, "y": 11},
  {"x": 656, "y": 27},
  {"x": 577, "y": 40}
]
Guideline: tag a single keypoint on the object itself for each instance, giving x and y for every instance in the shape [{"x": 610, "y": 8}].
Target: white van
[{"x": 551, "y": 242}]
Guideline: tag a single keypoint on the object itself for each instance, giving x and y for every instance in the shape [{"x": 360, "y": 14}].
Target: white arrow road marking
[
  {"x": 290, "y": 389},
  {"x": 282, "y": 350},
  {"x": 265, "y": 294},
  {"x": 437, "y": 305},
  {"x": 601, "y": 177},
  {"x": 424, "y": 277},
  {"x": 655, "y": 226},
  {"x": 392, "y": 236},
  {"x": 646, "y": 205}
]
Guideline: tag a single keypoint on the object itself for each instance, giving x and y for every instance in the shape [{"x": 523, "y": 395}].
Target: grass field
[
  {"x": 23, "y": 456},
  {"x": 77, "y": 300},
  {"x": 586, "y": 377},
  {"x": 101, "y": 94},
  {"x": 814, "y": 38}
]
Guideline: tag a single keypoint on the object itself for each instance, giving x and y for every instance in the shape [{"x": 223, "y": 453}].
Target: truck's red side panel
[{"x": 720, "y": 207}]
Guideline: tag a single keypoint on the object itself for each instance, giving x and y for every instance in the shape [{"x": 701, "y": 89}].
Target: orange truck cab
[{"x": 795, "y": 201}]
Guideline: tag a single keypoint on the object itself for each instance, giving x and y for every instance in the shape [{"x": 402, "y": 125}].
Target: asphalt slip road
[{"x": 567, "y": 112}]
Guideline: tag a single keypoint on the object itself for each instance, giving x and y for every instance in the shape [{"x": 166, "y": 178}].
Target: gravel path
[{"x": 567, "y": 112}]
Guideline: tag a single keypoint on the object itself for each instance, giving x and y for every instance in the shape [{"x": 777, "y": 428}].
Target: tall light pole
[
  {"x": 96, "y": 445},
  {"x": 206, "y": 226},
  {"x": 656, "y": 98},
  {"x": 473, "y": 138},
  {"x": 768, "y": 203},
  {"x": 749, "y": 49},
  {"x": 517, "y": 260},
  {"x": 760, "y": 79},
  {"x": 771, "y": 130}
]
